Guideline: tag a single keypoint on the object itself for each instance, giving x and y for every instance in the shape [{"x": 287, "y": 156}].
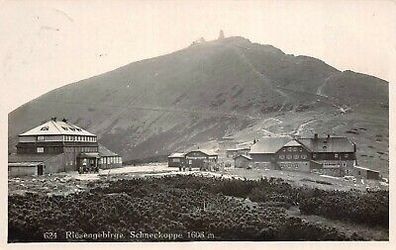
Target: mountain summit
[{"x": 212, "y": 89}]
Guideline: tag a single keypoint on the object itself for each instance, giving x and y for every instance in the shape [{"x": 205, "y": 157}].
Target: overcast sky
[{"x": 47, "y": 44}]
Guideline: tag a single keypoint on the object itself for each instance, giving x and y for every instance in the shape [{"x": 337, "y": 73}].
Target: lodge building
[
  {"x": 56, "y": 146},
  {"x": 332, "y": 155}
]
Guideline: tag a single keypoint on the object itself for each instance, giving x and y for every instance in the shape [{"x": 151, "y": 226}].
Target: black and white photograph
[{"x": 197, "y": 121}]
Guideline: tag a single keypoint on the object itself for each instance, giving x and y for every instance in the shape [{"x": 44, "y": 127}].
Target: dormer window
[
  {"x": 64, "y": 128},
  {"x": 45, "y": 128},
  {"x": 72, "y": 129},
  {"x": 324, "y": 147}
]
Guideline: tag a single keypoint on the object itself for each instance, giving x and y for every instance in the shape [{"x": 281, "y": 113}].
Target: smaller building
[
  {"x": 242, "y": 161},
  {"x": 108, "y": 159},
  {"x": 16, "y": 169},
  {"x": 176, "y": 160},
  {"x": 34, "y": 164},
  {"x": 200, "y": 158},
  {"x": 365, "y": 173}
]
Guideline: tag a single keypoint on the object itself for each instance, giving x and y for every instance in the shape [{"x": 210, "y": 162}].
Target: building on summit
[{"x": 55, "y": 146}]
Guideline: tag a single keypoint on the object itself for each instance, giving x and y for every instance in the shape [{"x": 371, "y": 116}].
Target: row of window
[
  {"x": 335, "y": 156},
  {"x": 71, "y": 128},
  {"x": 81, "y": 149},
  {"x": 292, "y": 149},
  {"x": 79, "y": 138},
  {"x": 110, "y": 160},
  {"x": 295, "y": 157}
]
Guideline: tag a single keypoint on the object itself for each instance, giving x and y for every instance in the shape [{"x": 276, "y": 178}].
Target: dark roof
[
  {"x": 269, "y": 145},
  {"x": 103, "y": 151},
  {"x": 30, "y": 157},
  {"x": 88, "y": 155},
  {"x": 328, "y": 144}
]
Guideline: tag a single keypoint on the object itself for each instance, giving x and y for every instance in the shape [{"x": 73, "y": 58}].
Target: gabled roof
[
  {"x": 208, "y": 152},
  {"x": 292, "y": 143},
  {"x": 54, "y": 127},
  {"x": 176, "y": 155},
  {"x": 269, "y": 145},
  {"x": 103, "y": 151},
  {"x": 237, "y": 149},
  {"x": 244, "y": 156},
  {"x": 205, "y": 151},
  {"x": 332, "y": 144}
]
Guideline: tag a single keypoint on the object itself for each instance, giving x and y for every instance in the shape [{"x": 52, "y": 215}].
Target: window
[
  {"x": 284, "y": 150},
  {"x": 314, "y": 156},
  {"x": 295, "y": 149},
  {"x": 289, "y": 149},
  {"x": 281, "y": 157},
  {"x": 72, "y": 129},
  {"x": 289, "y": 157},
  {"x": 40, "y": 138},
  {"x": 45, "y": 128},
  {"x": 303, "y": 156},
  {"x": 300, "y": 149},
  {"x": 64, "y": 128},
  {"x": 296, "y": 157},
  {"x": 324, "y": 147},
  {"x": 335, "y": 155},
  {"x": 40, "y": 149},
  {"x": 346, "y": 155}
]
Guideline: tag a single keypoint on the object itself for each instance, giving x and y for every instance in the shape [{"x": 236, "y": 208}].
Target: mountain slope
[{"x": 228, "y": 87}]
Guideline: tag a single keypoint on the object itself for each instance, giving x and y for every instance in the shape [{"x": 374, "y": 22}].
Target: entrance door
[{"x": 40, "y": 170}]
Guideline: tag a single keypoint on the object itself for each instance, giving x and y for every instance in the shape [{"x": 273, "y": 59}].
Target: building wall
[
  {"x": 302, "y": 166},
  {"x": 295, "y": 153},
  {"x": 21, "y": 171},
  {"x": 337, "y": 172},
  {"x": 263, "y": 157},
  {"x": 55, "y": 164},
  {"x": 107, "y": 162},
  {"x": 345, "y": 156},
  {"x": 175, "y": 161},
  {"x": 241, "y": 162}
]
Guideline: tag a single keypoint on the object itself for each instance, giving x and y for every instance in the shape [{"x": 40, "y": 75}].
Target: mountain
[{"x": 224, "y": 88}]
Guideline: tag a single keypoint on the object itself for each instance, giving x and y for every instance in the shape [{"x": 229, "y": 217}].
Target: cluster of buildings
[
  {"x": 329, "y": 155},
  {"x": 59, "y": 146}
]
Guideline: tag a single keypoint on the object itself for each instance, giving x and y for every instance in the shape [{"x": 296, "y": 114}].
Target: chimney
[
  {"x": 53, "y": 118},
  {"x": 315, "y": 136},
  {"x": 328, "y": 136},
  {"x": 64, "y": 120}
]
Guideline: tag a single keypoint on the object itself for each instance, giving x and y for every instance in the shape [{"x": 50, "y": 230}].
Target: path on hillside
[{"x": 262, "y": 76}]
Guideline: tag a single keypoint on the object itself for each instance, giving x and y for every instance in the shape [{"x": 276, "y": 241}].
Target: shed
[
  {"x": 25, "y": 168},
  {"x": 362, "y": 172},
  {"x": 176, "y": 160}
]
